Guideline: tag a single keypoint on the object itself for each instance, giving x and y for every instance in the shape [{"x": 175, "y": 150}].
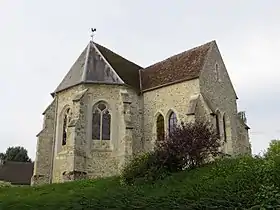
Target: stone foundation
[
  {"x": 74, "y": 175},
  {"x": 39, "y": 180}
]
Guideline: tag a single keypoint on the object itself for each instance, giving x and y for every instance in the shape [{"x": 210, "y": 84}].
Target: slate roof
[
  {"x": 97, "y": 64},
  {"x": 127, "y": 70},
  {"x": 184, "y": 66},
  {"x": 18, "y": 173}
]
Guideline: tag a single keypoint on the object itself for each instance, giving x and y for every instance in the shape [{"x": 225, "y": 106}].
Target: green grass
[{"x": 229, "y": 184}]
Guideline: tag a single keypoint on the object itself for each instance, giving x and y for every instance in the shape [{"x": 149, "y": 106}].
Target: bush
[
  {"x": 143, "y": 168},
  {"x": 187, "y": 147}
]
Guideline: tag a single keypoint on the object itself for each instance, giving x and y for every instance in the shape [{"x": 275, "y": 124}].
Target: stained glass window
[
  {"x": 218, "y": 123},
  {"x": 224, "y": 125},
  {"x": 106, "y": 121},
  {"x": 172, "y": 122},
  {"x": 96, "y": 124},
  {"x": 101, "y": 122},
  {"x": 160, "y": 128},
  {"x": 66, "y": 119}
]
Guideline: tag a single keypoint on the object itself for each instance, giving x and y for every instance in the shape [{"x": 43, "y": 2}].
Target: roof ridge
[
  {"x": 182, "y": 66},
  {"x": 106, "y": 61},
  {"x": 126, "y": 69},
  {"x": 86, "y": 62},
  {"x": 115, "y": 53},
  {"x": 182, "y": 52}
]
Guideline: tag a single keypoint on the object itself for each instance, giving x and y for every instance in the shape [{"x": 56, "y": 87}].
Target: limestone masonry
[{"x": 107, "y": 109}]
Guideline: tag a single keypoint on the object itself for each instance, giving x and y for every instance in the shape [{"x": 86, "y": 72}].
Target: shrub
[
  {"x": 143, "y": 168},
  {"x": 188, "y": 146}
]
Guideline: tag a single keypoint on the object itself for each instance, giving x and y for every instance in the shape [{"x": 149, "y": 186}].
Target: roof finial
[{"x": 92, "y": 33}]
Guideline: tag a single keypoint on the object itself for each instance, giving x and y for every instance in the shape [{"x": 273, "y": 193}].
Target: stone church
[{"x": 107, "y": 108}]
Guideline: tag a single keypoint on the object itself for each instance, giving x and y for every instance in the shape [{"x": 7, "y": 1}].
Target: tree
[
  {"x": 273, "y": 149},
  {"x": 18, "y": 154}
]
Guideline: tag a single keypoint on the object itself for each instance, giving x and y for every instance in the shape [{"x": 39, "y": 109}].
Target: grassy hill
[{"x": 243, "y": 183}]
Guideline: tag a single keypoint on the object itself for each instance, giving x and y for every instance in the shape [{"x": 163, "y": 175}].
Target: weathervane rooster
[{"x": 92, "y": 31}]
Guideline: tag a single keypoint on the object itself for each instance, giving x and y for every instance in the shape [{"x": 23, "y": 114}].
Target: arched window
[
  {"x": 101, "y": 122},
  {"x": 224, "y": 126},
  {"x": 160, "y": 127},
  {"x": 218, "y": 123},
  {"x": 66, "y": 120},
  {"x": 172, "y": 122}
]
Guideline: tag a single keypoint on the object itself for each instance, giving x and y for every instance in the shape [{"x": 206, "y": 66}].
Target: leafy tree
[
  {"x": 273, "y": 149},
  {"x": 15, "y": 154}
]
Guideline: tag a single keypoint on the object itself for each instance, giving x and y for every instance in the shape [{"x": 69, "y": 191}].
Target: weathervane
[{"x": 92, "y": 33}]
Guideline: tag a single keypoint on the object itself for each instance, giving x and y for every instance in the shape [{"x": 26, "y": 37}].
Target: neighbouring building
[
  {"x": 106, "y": 109},
  {"x": 17, "y": 173}
]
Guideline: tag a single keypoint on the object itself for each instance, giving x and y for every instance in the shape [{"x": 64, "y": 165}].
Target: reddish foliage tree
[{"x": 188, "y": 146}]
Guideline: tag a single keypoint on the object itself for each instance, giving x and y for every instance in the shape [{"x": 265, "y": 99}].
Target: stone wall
[
  {"x": 107, "y": 157},
  {"x": 163, "y": 100},
  {"x": 45, "y": 145},
  {"x": 216, "y": 87},
  {"x": 83, "y": 157},
  {"x": 243, "y": 142},
  {"x": 64, "y": 159}
]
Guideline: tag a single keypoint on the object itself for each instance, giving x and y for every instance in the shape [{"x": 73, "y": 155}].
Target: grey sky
[{"x": 40, "y": 40}]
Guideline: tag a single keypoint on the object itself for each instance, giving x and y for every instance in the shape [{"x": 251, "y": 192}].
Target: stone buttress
[
  {"x": 45, "y": 146},
  {"x": 70, "y": 162}
]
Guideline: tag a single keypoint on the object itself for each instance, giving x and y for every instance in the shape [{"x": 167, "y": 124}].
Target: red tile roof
[{"x": 184, "y": 66}]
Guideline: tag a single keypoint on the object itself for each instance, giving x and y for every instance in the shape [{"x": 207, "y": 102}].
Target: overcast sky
[{"x": 40, "y": 40}]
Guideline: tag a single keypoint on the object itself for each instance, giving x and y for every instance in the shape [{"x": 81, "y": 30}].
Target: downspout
[{"x": 54, "y": 138}]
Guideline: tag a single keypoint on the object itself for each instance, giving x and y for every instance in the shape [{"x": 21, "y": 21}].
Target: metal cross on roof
[{"x": 92, "y": 33}]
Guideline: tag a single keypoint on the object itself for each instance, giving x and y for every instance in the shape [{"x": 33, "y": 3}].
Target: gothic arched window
[
  {"x": 218, "y": 123},
  {"x": 101, "y": 122},
  {"x": 172, "y": 122},
  {"x": 160, "y": 127},
  {"x": 224, "y": 126},
  {"x": 66, "y": 120}
]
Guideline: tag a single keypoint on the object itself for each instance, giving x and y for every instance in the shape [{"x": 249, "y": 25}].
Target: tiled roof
[
  {"x": 18, "y": 173},
  {"x": 128, "y": 71},
  {"x": 97, "y": 64},
  {"x": 184, "y": 66}
]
